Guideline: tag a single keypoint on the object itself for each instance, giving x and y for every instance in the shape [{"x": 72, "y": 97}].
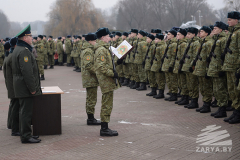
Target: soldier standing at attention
[
  {"x": 205, "y": 82},
  {"x": 68, "y": 49},
  {"x": 1, "y": 54},
  {"x": 168, "y": 63},
  {"x": 51, "y": 52},
  {"x": 40, "y": 59},
  {"x": 105, "y": 75},
  {"x": 231, "y": 64},
  {"x": 46, "y": 52},
  {"x": 76, "y": 59},
  {"x": 125, "y": 62},
  {"x": 26, "y": 83},
  {"x": 89, "y": 78},
  {"x": 60, "y": 51}
]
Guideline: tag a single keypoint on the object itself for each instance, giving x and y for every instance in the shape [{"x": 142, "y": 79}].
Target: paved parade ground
[{"x": 148, "y": 128}]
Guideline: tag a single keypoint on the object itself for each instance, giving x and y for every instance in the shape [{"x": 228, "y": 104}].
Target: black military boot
[
  {"x": 206, "y": 107},
  {"x": 51, "y": 67},
  {"x": 15, "y": 134},
  {"x": 173, "y": 97},
  {"x": 167, "y": 99},
  {"x": 105, "y": 131},
  {"x": 229, "y": 118},
  {"x": 194, "y": 103},
  {"x": 160, "y": 94},
  {"x": 168, "y": 93},
  {"x": 186, "y": 106},
  {"x": 42, "y": 77},
  {"x": 179, "y": 100},
  {"x": 236, "y": 118},
  {"x": 142, "y": 87},
  {"x": 214, "y": 103},
  {"x": 185, "y": 100},
  {"x": 221, "y": 112},
  {"x": 179, "y": 94},
  {"x": 0, "y": 67},
  {"x": 92, "y": 121},
  {"x": 76, "y": 69},
  {"x": 136, "y": 85},
  {"x": 126, "y": 82},
  {"x": 121, "y": 80},
  {"x": 153, "y": 92},
  {"x": 229, "y": 107},
  {"x": 131, "y": 84}
]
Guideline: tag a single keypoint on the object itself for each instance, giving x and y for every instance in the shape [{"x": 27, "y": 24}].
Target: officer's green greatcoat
[
  {"x": 160, "y": 77},
  {"x": 51, "y": 51},
  {"x": 40, "y": 59},
  {"x": 182, "y": 82},
  {"x": 231, "y": 64},
  {"x": 1, "y": 54},
  {"x": 205, "y": 85},
  {"x": 68, "y": 49},
  {"x": 104, "y": 72},
  {"x": 60, "y": 51},
  {"x": 46, "y": 52},
  {"x": 25, "y": 81},
  {"x": 89, "y": 78}
]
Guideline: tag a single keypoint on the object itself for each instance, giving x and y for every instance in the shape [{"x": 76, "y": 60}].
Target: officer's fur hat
[
  {"x": 206, "y": 29},
  {"x": 7, "y": 45},
  {"x": 173, "y": 32},
  {"x": 13, "y": 41},
  {"x": 151, "y": 36},
  {"x": 91, "y": 37},
  {"x": 158, "y": 31},
  {"x": 182, "y": 31},
  {"x": 159, "y": 36},
  {"x": 102, "y": 32},
  {"x": 143, "y": 33},
  {"x": 134, "y": 31},
  {"x": 192, "y": 30},
  {"x": 220, "y": 25},
  {"x": 234, "y": 15}
]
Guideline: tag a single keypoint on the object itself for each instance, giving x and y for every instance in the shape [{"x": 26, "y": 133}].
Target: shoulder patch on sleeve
[
  {"x": 88, "y": 58},
  {"x": 102, "y": 58},
  {"x": 25, "y": 59}
]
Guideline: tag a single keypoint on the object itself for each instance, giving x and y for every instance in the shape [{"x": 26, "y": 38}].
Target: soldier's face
[
  {"x": 106, "y": 38},
  {"x": 149, "y": 40},
  {"x": 157, "y": 40},
  {"x": 180, "y": 36},
  {"x": 39, "y": 39},
  {"x": 170, "y": 36},
  {"x": 232, "y": 22},
  {"x": 203, "y": 34},
  {"x": 216, "y": 30},
  {"x": 139, "y": 35},
  {"x": 190, "y": 35},
  {"x": 44, "y": 38}
]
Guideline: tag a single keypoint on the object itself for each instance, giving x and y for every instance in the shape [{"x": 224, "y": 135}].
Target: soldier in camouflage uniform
[
  {"x": 89, "y": 78},
  {"x": 192, "y": 80},
  {"x": 168, "y": 65},
  {"x": 68, "y": 49},
  {"x": 46, "y": 52},
  {"x": 40, "y": 59},
  {"x": 139, "y": 57},
  {"x": 77, "y": 56},
  {"x": 80, "y": 44},
  {"x": 1, "y": 55},
  {"x": 105, "y": 75},
  {"x": 74, "y": 54},
  {"x": 205, "y": 82},
  {"x": 182, "y": 82},
  {"x": 51, "y": 52},
  {"x": 232, "y": 63}
]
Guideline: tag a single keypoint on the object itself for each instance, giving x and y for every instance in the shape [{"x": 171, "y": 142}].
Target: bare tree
[
  {"x": 4, "y": 25},
  {"x": 232, "y": 5}
]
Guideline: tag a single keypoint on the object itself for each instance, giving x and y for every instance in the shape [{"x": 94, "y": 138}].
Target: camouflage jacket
[
  {"x": 59, "y": 47},
  {"x": 149, "y": 58},
  {"x": 104, "y": 67},
  {"x": 216, "y": 63},
  {"x": 45, "y": 45},
  {"x": 68, "y": 46},
  {"x": 232, "y": 61},
  {"x": 51, "y": 47},
  {"x": 161, "y": 46},
  {"x": 170, "y": 56},
  {"x": 1, "y": 50},
  {"x": 74, "y": 51},
  {"x": 181, "y": 49},
  {"x": 89, "y": 78},
  {"x": 79, "y": 47},
  {"x": 40, "y": 50},
  {"x": 141, "y": 51},
  {"x": 134, "y": 44},
  {"x": 201, "y": 65},
  {"x": 192, "y": 53}
]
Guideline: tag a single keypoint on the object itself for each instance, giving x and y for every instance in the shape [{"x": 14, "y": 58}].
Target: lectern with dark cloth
[{"x": 46, "y": 118}]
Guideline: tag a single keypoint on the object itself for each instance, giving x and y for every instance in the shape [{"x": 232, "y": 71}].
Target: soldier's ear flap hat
[
  {"x": 35, "y": 38},
  {"x": 13, "y": 41},
  {"x": 91, "y": 37},
  {"x": 134, "y": 31},
  {"x": 50, "y": 36},
  {"x": 153, "y": 31},
  {"x": 211, "y": 26},
  {"x": 151, "y": 36},
  {"x": 234, "y": 15},
  {"x": 173, "y": 32},
  {"x": 69, "y": 36},
  {"x": 220, "y": 25},
  {"x": 118, "y": 34},
  {"x": 206, "y": 29},
  {"x": 40, "y": 36},
  {"x": 102, "y": 32},
  {"x": 44, "y": 36},
  {"x": 59, "y": 38},
  {"x": 125, "y": 34},
  {"x": 160, "y": 36},
  {"x": 111, "y": 36},
  {"x": 143, "y": 33},
  {"x": 7, "y": 45},
  {"x": 25, "y": 32},
  {"x": 158, "y": 31},
  {"x": 193, "y": 30},
  {"x": 182, "y": 31},
  {"x": 79, "y": 37}
]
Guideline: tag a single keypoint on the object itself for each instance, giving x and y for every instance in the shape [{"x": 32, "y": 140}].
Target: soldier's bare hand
[{"x": 33, "y": 92}]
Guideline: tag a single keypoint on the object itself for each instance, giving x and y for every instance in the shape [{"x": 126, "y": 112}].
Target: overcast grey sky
[{"x": 32, "y": 10}]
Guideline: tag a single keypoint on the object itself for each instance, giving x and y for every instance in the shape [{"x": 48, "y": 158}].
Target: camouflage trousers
[
  {"x": 1, "y": 61},
  {"x": 45, "y": 61},
  {"x": 119, "y": 69},
  {"x": 182, "y": 84},
  {"x": 79, "y": 62},
  {"x": 40, "y": 67},
  {"x": 152, "y": 79},
  {"x": 14, "y": 117},
  {"x": 192, "y": 85},
  {"x": 135, "y": 75},
  {"x": 220, "y": 90},
  {"x": 91, "y": 99},
  {"x": 142, "y": 73},
  {"x": 126, "y": 70},
  {"x": 69, "y": 58},
  {"x": 234, "y": 93},
  {"x": 76, "y": 60},
  {"x": 160, "y": 80},
  {"x": 60, "y": 58},
  {"x": 51, "y": 59},
  {"x": 167, "y": 77},
  {"x": 173, "y": 85},
  {"x": 107, "y": 105},
  {"x": 206, "y": 88}
]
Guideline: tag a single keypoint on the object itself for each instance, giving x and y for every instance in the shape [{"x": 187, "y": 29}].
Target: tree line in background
[{"x": 76, "y": 17}]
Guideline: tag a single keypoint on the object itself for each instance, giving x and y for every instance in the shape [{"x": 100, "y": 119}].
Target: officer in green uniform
[
  {"x": 51, "y": 51},
  {"x": 26, "y": 83},
  {"x": 68, "y": 49},
  {"x": 232, "y": 63},
  {"x": 46, "y": 52},
  {"x": 105, "y": 75},
  {"x": 156, "y": 67},
  {"x": 205, "y": 82},
  {"x": 60, "y": 51},
  {"x": 40, "y": 58},
  {"x": 1, "y": 54},
  {"x": 168, "y": 63},
  {"x": 192, "y": 80},
  {"x": 89, "y": 78}
]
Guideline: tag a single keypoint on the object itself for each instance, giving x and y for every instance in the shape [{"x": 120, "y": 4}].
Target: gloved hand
[
  {"x": 115, "y": 75},
  {"x": 194, "y": 63},
  {"x": 170, "y": 69},
  {"x": 206, "y": 76},
  {"x": 181, "y": 61},
  {"x": 191, "y": 69},
  {"x": 221, "y": 74},
  {"x": 119, "y": 61},
  {"x": 208, "y": 59}
]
